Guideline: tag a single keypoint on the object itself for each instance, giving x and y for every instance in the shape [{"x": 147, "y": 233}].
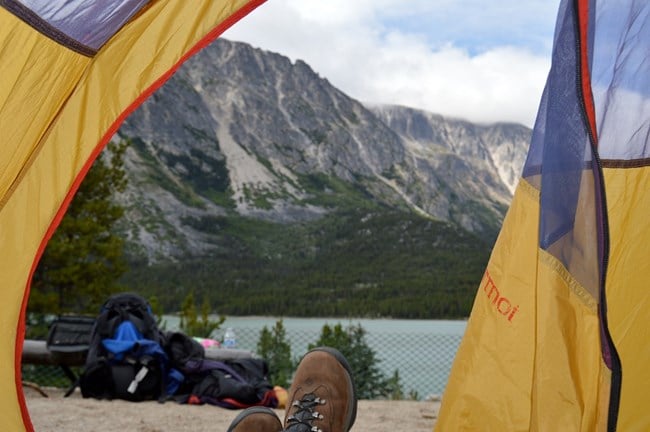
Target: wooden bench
[
  {"x": 36, "y": 352},
  {"x": 226, "y": 353}
]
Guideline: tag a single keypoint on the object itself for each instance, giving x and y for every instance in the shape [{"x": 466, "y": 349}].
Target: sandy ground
[{"x": 75, "y": 414}]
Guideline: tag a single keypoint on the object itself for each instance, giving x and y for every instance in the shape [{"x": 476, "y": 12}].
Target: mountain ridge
[
  {"x": 246, "y": 124},
  {"x": 246, "y": 162}
]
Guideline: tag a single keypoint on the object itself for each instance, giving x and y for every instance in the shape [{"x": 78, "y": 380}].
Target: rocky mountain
[{"x": 239, "y": 132}]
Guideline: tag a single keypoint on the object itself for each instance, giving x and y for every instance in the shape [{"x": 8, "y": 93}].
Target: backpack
[
  {"x": 181, "y": 349},
  {"x": 234, "y": 384},
  {"x": 126, "y": 359}
]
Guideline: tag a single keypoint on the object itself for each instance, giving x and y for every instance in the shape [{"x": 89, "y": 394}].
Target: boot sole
[{"x": 352, "y": 408}]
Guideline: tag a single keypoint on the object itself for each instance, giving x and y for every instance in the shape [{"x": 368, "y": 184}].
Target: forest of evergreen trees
[
  {"x": 385, "y": 263},
  {"x": 361, "y": 260}
]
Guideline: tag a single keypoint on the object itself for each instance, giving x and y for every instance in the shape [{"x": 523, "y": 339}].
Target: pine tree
[
  {"x": 369, "y": 380},
  {"x": 276, "y": 350},
  {"x": 84, "y": 258},
  {"x": 193, "y": 324}
]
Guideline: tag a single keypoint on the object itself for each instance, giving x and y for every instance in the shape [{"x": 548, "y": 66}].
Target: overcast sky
[{"x": 484, "y": 61}]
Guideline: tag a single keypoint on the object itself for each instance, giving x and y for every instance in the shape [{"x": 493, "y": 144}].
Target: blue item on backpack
[{"x": 126, "y": 359}]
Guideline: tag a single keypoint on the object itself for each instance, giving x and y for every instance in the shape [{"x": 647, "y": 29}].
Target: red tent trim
[{"x": 205, "y": 41}]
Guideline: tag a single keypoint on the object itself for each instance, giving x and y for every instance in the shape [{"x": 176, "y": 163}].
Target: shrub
[{"x": 370, "y": 382}]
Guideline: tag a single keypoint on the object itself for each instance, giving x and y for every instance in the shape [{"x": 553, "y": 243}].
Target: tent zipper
[{"x": 601, "y": 207}]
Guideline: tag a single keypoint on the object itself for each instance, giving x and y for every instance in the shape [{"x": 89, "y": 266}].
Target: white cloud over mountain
[{"x": 462, "y": 58}]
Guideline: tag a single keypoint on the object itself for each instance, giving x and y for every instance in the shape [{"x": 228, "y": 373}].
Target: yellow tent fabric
[
  {"x": 58, "y": 109},
  {"x": 628, "y": 207},
  {"x": 531, "y": 368},
  {"x": 558, "y": 337}
]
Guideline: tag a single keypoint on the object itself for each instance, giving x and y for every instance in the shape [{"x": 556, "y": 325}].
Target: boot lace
[{"x": 301, "y": 420}]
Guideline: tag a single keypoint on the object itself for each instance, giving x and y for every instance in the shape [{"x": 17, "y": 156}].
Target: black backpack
[
  {"x": 125, "y": 358},
  {"x": 233, "y": 384}
]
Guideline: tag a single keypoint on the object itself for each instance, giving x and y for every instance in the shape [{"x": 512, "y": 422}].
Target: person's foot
[
  {"x": 322, "y": 396},
  {"x": 256, "y": 419}
]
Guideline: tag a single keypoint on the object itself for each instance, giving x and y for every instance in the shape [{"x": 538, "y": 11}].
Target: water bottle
[{"x": 229, "y": 338}]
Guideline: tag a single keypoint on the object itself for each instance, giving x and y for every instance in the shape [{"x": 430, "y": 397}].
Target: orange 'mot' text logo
[{"x": 500, "y": 303}]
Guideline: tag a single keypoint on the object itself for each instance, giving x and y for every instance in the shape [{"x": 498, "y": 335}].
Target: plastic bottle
[{"x": 229, "y": 338}]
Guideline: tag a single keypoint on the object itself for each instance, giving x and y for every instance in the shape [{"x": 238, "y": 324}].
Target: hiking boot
[
  {"x": 322, "y": 396},
  {"x": 256, "y": 419}
]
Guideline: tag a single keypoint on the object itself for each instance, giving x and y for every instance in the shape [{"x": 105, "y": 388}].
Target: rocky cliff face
[{"x": 242, "y": 132}]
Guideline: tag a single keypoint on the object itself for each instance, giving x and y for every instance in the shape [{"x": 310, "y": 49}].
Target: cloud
[{"x": 417, "y": 53}]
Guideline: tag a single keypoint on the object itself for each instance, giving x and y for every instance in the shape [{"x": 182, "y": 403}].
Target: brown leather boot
[
  {"x": 256, "y": 419},
  {"x": 322, "y": 396}
]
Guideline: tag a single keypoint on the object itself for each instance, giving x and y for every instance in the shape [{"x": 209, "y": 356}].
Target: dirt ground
[{"x": 75, "y": 414}]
